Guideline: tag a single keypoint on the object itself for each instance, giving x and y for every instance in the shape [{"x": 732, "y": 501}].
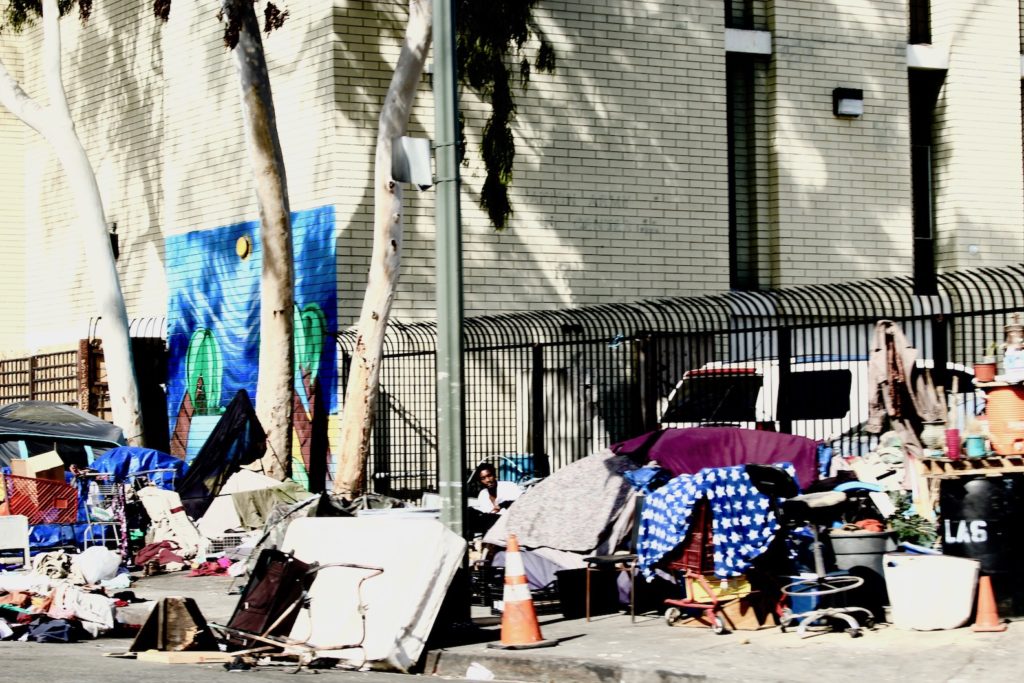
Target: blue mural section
[{"x": 214, "y": 316}]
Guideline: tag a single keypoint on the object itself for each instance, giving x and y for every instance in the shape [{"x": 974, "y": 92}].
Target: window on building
[
  {"x": 920, "y": 23},
  {"x": 740, "y": 111},
  {"x": 924, "y": 89},
  {"x": 739, "y": 14}
]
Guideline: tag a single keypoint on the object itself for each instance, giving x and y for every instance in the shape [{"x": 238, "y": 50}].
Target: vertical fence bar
[
  {"x": 647, "y": 374},
  {"x": 785, "y": 342},
  {"x": 537, "y": 423},
  {"x": 940, "y": 352}
]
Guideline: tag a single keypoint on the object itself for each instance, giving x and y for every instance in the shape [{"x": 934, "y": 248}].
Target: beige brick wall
[
  {"x": 979, "y": 192},
  {"x": 157, "y": 108},
  {"x": 12, "y": 214},
  {"x": 620, "y": 185},
  {"x": 841, "y": 188}
]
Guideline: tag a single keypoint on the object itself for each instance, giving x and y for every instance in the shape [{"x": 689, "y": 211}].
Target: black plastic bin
[{"x": 980, "y": 518}]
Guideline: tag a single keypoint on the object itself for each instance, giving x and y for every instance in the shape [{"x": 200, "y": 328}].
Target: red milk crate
[
  {"x": 696, "y": 553},
  {"x": 41, "y": 500}
]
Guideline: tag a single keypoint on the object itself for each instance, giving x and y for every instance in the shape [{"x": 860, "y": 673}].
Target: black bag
[
  {"x": 47, "y": 630},
  {"x": 278, "y": 583}
]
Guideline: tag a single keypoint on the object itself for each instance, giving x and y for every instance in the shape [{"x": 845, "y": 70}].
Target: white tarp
[
  {"x": 221, "y": 514},
  {"x": 419, "y": 558},
  {"x": 168, "y": 521}
]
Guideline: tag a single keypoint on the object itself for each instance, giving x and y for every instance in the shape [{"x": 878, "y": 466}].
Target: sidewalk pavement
[
  {"x": 610, "y": 648},
  {"x": 607, "y": 649}
]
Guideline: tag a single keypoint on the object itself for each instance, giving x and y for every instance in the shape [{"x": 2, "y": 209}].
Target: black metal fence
[{"x": 546, "y": 388}]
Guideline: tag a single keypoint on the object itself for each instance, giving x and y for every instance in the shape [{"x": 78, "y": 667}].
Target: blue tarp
[
  {"x": 125, "y": 461},
  {"x": 43, "y": 536}
]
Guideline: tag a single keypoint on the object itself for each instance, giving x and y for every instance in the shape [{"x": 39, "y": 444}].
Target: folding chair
[
  {"x": 14, "y": 536},
  {"x": 623, "y": 562}
]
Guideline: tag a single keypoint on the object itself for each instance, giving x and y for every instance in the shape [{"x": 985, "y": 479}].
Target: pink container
[{"x": 953, "y": 444}]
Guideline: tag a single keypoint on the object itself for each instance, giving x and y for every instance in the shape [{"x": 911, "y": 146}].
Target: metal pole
[{"x": 450, "y": 431}]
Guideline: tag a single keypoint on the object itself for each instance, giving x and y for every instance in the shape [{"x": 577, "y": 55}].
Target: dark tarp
[
  {"x": 127, "y": 461},
  {"x": 688, "y": 451},
  {"x": 237, "y": 440},
  {"x": 44, "y": 425}
]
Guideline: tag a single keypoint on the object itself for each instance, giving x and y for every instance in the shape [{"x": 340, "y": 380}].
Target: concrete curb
[{"x": 526, "y": 668}]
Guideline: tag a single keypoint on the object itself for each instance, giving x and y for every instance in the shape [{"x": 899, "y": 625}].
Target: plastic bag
[{"x": 97, "y": 564}]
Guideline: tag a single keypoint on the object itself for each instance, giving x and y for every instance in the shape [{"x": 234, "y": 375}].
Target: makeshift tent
[
  {"x": 126, "y": 462},
  {"x": 223, "y": 512},
  {"x": 688, "y": 451},
  {"x": 33, "y": 427},
  {"x": 584, "y": 507},
  {"x": 236, "y": 441}
]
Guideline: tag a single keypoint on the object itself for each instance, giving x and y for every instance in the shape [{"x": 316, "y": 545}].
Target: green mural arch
[
  {"x": 203, "y": 369},
  {"x": 310, "y": 332}
]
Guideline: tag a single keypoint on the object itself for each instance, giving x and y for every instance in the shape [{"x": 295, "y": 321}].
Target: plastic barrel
[
  {"x": 1005, "y": 411},
  {"x": 862, "y": 553},
  {"x": 979, "y": 518}
]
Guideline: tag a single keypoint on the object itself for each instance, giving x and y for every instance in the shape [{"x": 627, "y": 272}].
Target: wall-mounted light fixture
[
  {"x": 410, "y": 161},
  {"x": 112, "y": 231},
  {"x": 847, "y": 102}
]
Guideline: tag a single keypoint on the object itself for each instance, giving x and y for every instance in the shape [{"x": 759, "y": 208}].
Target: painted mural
[{"x": 213, "y": 333}]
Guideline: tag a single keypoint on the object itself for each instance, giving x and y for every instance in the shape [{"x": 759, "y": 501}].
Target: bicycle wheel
[{"x": 826, "y": 585}]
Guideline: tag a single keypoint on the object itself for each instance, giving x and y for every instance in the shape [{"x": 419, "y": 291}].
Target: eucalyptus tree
[
  {"x": 490, "y": 36},
  {"x": 386, "y": 257},
  {"x": 54, "y": 123},
  {"x": 275, "y": 380}
]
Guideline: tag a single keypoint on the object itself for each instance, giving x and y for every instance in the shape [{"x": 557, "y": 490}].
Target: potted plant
[
  {"x": 985, "y": 369},
  {"x": 910, "y": 527}
]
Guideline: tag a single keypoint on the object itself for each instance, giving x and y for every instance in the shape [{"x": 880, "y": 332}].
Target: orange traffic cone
[
  {"x": 519, "y": 627},
  {"x": 987, "y": 618}
]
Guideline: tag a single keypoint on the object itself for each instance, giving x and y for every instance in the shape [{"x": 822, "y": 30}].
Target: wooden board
[
  {"x": 994, "y": 466},
  {"x": 185, "y": 657}
]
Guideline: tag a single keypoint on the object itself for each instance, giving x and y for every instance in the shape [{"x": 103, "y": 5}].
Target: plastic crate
[
  {"x": 225, "y": 542},
  {"x": 697, "y": 551},
  {"x": 41, "y": 500}
]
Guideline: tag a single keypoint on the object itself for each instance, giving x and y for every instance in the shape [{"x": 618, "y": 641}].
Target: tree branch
[
  {"x": 19, "y": 103},
  {"x": 51, "y": 61}
]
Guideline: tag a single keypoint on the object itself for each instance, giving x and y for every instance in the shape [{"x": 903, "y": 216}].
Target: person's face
[{"x": 487, "y": 479}]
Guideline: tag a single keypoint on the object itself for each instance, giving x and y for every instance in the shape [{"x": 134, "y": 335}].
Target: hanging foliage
[
  {"x": 273, "y": 19},
  {"x": 18, "y": 14},
  {"x": 490, "y": 41}
]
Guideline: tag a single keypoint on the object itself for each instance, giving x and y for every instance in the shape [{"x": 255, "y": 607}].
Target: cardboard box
[
  {"x": 749, "y": 613},
  {"x": 43, "y": 466}
]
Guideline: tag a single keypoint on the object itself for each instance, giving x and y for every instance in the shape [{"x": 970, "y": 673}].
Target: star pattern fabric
[{"x": 742, "y": 521}]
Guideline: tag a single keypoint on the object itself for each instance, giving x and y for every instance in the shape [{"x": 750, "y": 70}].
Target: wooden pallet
[{"x": 992, "y": 466}]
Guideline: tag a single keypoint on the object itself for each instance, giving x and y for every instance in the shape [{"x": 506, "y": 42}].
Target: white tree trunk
[
  {"x": 55, "y": 125},
  {"x": 364, "y": 378},
  {"x": 277, "y": 280}
]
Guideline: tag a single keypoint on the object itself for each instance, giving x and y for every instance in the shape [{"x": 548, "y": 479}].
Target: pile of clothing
[{"x": 64, "y": 598}]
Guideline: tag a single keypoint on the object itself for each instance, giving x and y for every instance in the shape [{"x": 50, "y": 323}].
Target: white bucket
[{"x": 930, "y": 592}]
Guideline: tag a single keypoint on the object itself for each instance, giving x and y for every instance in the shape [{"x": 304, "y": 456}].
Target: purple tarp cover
[{"x": 687, "y": 451}]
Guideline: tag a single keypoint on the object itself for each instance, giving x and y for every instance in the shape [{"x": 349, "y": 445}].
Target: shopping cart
[{"x": 691, "y": 561}]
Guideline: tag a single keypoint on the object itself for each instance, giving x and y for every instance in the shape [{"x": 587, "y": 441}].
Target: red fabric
[
  {"x": 162, "y": 553},
  {"x": 209, "y": 568},
  {"x": 870, "y": 525},
  {"x": 688, "y": 451}
]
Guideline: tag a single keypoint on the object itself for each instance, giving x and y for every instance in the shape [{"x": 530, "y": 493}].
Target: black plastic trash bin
[{"x": 862, "y": 553}]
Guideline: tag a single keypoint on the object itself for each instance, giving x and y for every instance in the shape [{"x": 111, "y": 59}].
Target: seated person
[{"x": 494, "y": 498}]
